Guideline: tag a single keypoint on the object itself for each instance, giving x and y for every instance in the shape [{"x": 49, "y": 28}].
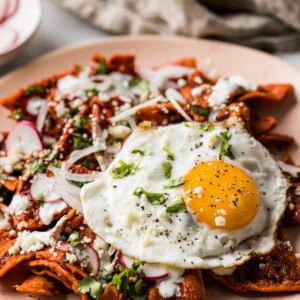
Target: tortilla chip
[
  {"x": 260, "y": 125},
  {"x": 278, "y": 271},
  {"x": 39, "y": 285}
]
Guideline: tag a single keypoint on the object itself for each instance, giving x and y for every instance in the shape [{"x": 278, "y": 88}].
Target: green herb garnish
[
  {"x": 4, "y": 177},
  {"x": 51, "y": 156},
  {"x": 74, "y": 239},
  {"x": 176, "y": 205},
  {"x": 41, "y": 199},
  {"x": 153, "y": 198},
  {"x": 206, "y": 127},
  {"x": 17, "y": 115},
  {"x": 125, "y": 169},
  {"x": 80, "y": 122},
  {"x": 141, "y": 83},
  {"x": 34, "y": 89},
  {"x": 170, "y": 155},
  {"x": 174, "y": 183},
  {"x": 91, "y": 286},
  {"x": 40, "y": 167},
  {"x": 141, "y": 152},
  {"x": 91, "y": 93},
  {"x": 198, "y": 110},
  {"x": 167, "y": 169},
  {"x": 102, "y": 68},
  {"x": 225, "y": 149},
  {"x": 80, "y": 141},
  {"x": 131, "y": 282}
]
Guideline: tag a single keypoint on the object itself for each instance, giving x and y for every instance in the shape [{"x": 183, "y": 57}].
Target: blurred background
[{"x": 270, "y": 25}]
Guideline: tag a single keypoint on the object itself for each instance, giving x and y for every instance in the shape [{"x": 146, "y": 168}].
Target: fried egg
[{"x": 189, "y": 195}]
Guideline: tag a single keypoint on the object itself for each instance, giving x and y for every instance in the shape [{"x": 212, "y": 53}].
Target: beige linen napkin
[{"x": 267, "y": 24}]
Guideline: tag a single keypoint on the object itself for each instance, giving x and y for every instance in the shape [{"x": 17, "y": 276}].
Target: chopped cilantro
[
  {"x": 131, "y": 282},
  {"x": 91, "y": 93},
  {"x": 89, "y": 160},
  {"x": 56, "y": 163},
  {"x": 174, "y": 183},
  {"x": 225, "y": 149},
  {"x": 51, "y": 156},
  {"x": 125, "y": 169},
  {"x": 185, "y": 124},
  {"x": 176, "y": 205},
  {"x": 74, "y": 239},
  {"x": 41, "y": 199},
  {"x": 4, "y": 176},
  {"x": 170, "y": 155},
  {"x": 80, "y": 141},
  {"x": 102, "y": 68},
  {"x": 141, "y": 152},
  {"x": 153, "y": 198},
  {"x": 74, "y": 111},
  {"x": 17, "y": 115},
  {"x": 167, "y": 169},
  {"x": 91, "y": 286},
  {"x": 80, "y": 122},
  {"x": 40, "y": 167},
  {"x": 141, "y": 83},
  {"x": 64, "y": 260},
  {"x": 198, "y": 110},
  {"x": 206, "y": 127},
  {"x": 34, "y": 89},
  {"x": 78, "y": 67}
]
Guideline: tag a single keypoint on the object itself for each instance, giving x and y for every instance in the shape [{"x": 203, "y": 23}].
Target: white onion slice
[
  {"x": 292, "y": 170},
  {"x": 170, "y": 95},
  {"x": 68, "y": 192},
  {"x": 131, "y": 111},
  {"x": 41, "y": 117},
  {"x": 78, "y": 154},
  {"x": 81, "y": 177}
]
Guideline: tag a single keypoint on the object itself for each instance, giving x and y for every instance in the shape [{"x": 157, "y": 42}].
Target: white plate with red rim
[
  {"x": 19, "y": 20},
  {"x": 213, "y": 57}
]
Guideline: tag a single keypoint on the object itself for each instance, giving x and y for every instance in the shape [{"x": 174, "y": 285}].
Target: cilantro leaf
[
  {"x": 125, "y": 169},
  {"x": 91, "y": 286},
  {"x": 51, "y": 156},
  {"x": 206, "y": 127},
  {"x": 225, "y": 149},
  {"x": 40, "y": 167},
  {"x": 34, "y": 89},
  {"x": 198, "y": 110},
  {"x": 91, "y": 93},
  {"x": 141, "y": 83},
  {"x": 80, "y": 141},
  {"x": 153, "y": 198},
  {"x": 17, "y": 115},
  {"x": 102, "y": 68},
  {"x": 167, "y": 169},
  {"x": 141, "y": 152},
  {"x": 174, "y": 183},
  {"x": 176, "y": 205},
  {"x": 80, "y": 122},
  {"x": 41, "y": 199},
  {"x": 170, "y": 155},
  {"x": 131, "y": 282},
  {"x": 74, "y": 239}
]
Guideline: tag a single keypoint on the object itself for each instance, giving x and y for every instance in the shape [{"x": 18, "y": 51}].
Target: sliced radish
[
  {"x": 44, "y": 185},
  {"x": 152, "y": 271},
  {"x": 13, "y": 6},
  {"x": 4, "y": 5},
  {"x": 24, "y": 138},
  {"x": 65, "y": 246},
  {"x": 89, "y": 256},
  {"x": 8, "y": 37}
]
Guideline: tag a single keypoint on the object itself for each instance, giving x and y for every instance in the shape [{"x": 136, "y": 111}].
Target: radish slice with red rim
[
  {"x": 45, "y": 186},
  {"x": 9, "y": 37},
  {"x": 86, "y": 254},
  {"x": 65, "y": 246},
  {"x": 13, "y": 6},
  {"x": 24, "y": 138},
  {"x": 152, "y": 271},
  {"x": 4, "y": 5}
]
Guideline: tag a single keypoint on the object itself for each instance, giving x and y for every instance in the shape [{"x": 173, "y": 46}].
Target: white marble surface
[{"x": 60, "y": 28}]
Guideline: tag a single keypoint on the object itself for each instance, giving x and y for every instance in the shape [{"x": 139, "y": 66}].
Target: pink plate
[{"x": 214, "y": 58}]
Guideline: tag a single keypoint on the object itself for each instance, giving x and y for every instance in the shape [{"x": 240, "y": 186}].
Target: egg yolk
[{"x": 221, "y": 195}]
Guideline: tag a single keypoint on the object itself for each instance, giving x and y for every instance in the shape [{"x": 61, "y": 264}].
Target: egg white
[{"x": 147, "y": 232}]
